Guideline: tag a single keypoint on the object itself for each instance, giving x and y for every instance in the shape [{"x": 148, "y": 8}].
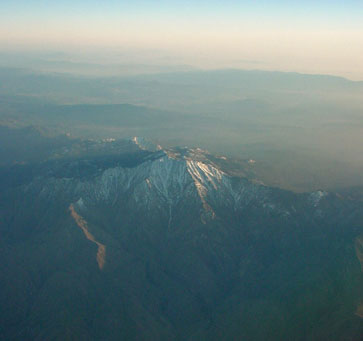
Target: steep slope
[{"x": 192, "y": 252}]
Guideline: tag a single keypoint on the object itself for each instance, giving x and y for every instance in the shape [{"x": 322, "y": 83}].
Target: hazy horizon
[
  {"x": 312, "y": 37},
  {"x": 181, "y": 170}
]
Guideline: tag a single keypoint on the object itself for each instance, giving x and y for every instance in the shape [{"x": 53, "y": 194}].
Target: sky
[{"x": 304, "y": 36}]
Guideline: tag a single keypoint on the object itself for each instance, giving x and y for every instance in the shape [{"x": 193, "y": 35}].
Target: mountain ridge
[{"x": 105, "y": 234}]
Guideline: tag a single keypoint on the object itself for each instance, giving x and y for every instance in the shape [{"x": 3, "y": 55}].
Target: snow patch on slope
[
  {"x": 145, "y": 144},
  {"x": 203, "y": 176}
]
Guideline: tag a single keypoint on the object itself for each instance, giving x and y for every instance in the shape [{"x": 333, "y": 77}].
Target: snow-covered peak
[{"x": 163, "y": 180}]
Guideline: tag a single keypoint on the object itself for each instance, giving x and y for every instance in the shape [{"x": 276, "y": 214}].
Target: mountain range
[{"x": 124, "y": 239}]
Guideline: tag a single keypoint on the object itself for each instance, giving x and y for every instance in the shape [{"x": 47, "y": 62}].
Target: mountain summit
[{"x": 101, "y": 235}]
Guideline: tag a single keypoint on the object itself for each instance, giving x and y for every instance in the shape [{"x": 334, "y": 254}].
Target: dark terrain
[{"x": 110, "y": 240}]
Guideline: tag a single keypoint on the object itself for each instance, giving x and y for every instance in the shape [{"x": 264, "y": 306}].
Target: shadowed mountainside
[{"x": 193, "y": 251}]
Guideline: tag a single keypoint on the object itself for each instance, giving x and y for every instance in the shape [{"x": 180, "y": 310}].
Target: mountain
[
  {"x": 311, "y": 124},
  {"x": 122, "y": 239}
]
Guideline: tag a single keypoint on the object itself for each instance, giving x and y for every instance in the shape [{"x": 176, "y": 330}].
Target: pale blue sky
[
  {"x": 325, "y": 36},
  {"x": 336, "y": 12}
]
